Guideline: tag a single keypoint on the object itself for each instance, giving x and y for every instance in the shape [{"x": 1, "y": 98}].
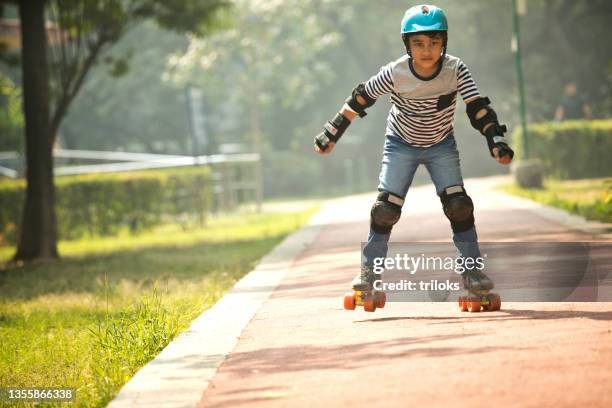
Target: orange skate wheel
[
  {"x": 494, "y": 301},
  {"x": 369, "y": 305},
  {"x": 473, "y": 304},
  {"x": 381, "y": 299},
  {"x": 463, "y": 303},
  {"x": 349, "y": 301}
]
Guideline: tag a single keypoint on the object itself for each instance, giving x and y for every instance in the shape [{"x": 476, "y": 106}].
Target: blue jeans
[{"x": 400, "y": 162}]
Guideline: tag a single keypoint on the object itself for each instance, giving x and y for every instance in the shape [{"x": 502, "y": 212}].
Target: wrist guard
[
  {"x": 502, "y": 146},
  {"x": 500, "y": 143},
  {"x": 332, "y": 131}
]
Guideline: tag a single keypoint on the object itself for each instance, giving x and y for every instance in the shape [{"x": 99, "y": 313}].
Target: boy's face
[{"x": 426, "y": 51}]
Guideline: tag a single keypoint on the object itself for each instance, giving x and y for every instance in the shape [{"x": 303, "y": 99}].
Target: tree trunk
[{"x": 38, "y": 233}]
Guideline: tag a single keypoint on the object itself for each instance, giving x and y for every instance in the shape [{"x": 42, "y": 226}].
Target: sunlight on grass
[
  {"x": 92, "y": 319},
  {"x": 220, "y": 229},
  {"x": 591, "y": 198}
]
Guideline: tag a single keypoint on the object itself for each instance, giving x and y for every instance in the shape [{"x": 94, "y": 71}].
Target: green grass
[
  {"x": 110, "y": 305},
  {"x": 591, "y": 198}
]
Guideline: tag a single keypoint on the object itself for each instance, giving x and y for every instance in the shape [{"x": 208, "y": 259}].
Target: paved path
[{"x": 300, "y": 348}]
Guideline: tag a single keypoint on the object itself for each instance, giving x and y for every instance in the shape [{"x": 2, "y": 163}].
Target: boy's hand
[
  {"x": 330, "y": 147},
  {"x": 505, "y": 151},
  {"x": 499, "y": 148}
]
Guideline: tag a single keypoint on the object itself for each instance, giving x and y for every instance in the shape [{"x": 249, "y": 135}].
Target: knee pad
[
  {"x": 386, "y": 212},
  {"x": 458, "y": 208}
]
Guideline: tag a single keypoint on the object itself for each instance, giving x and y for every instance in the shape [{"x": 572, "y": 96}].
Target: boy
[{"x": 423, "y": 85}]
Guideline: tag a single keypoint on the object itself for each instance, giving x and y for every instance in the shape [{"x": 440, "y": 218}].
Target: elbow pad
[
  {"x": 494, "y": 132},
  {"x": 359, "y": 100},
  {"x": 490, "y": 117}
]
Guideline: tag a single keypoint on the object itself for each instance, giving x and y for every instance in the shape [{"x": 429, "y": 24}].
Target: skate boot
[
  {"x": 475, "y": 280},
  {"x": 364, "y": 293},
  {"x": 364, "y": 281},
  {"x": 478, "y": 286}
]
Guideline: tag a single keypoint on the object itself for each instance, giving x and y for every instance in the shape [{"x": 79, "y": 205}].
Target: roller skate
[
  {"x": 478, "y": 286},
  {"x": 364, "y": 293}
]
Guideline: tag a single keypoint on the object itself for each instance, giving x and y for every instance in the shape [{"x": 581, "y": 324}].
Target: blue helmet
[{"x": 422, "y": 18}]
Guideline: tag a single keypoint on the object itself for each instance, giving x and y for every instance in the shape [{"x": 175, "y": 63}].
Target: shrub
[
  {"x": 570, "y": 150},
  {"x": 101, "y": 204}
]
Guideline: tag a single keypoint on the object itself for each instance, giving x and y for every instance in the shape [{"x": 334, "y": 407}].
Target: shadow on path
[
  {"x": 504, "y": 315},
  {"x": 345, "y": 356}
]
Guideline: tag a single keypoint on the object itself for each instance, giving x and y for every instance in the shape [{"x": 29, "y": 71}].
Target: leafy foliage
[
  {"x": 270, "y": 58},
  {"x": 89, "y": 28},
  {"x": 137, "y": 111},
  {"x": 572, "y": 149},
  {"x": 104, "y": 204},
  {"x": 11, "y": 117}
]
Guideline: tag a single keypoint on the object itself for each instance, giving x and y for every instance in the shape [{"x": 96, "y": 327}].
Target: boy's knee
[
  {"x": 458, "y": 208},
  {"x": 386, "y": 212}
]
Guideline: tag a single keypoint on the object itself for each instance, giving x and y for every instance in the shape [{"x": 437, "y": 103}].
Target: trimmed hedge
[
  {"x": 570, "y": 150},
  {"x": 102, "y": 204}
]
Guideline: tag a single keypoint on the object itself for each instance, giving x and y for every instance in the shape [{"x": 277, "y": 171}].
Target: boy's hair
[{"x": 430, "y": 34}]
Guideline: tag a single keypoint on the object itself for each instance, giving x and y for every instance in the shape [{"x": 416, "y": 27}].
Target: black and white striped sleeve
[
  {"x": 381, "y": 83},
  {"x": 465, "y": 83}
]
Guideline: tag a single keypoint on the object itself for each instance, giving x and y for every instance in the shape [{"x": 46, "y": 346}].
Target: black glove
[
  {"x": 500, "y": 143},
  {"x": 322, "y": 140}
]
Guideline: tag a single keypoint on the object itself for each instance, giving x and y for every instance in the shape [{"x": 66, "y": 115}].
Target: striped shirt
[{"x": 422, "y": 110}]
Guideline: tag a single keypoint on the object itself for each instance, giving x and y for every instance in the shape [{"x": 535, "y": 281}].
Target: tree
[
  {"x": 271, "y": 57},
  {"x": 38, "y": 237},
  {"x": 138, "y": 111},
  {"x": 87, "y": 29}
]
